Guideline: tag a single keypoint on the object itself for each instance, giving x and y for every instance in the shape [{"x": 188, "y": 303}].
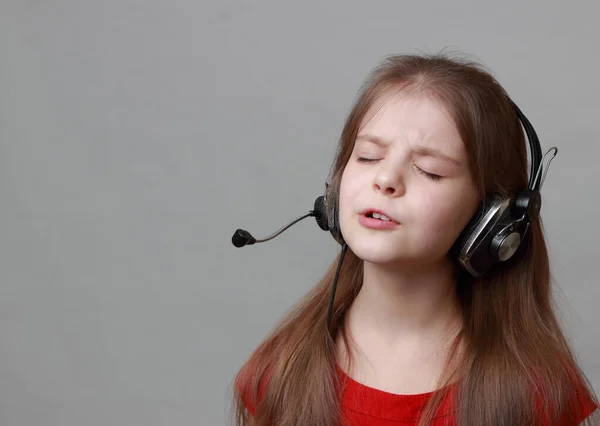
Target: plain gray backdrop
[{"x": 136, "y": 136}]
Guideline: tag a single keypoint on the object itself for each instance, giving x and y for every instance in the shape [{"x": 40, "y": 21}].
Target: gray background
[{"x": 136, "y": 136}]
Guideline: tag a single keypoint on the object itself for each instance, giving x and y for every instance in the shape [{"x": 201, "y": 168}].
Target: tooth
[{"x": 380, "y": 216}]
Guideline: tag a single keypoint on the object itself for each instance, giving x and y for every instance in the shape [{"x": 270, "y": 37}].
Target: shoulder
[
  {"x": 583, "y": 405},
  {"x": 581, "y": 408},
  {"x": 593, "y": 419},
  {"x": 251, "y": 387}
]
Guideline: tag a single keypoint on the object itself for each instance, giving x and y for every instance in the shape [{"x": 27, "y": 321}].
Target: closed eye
[
  {"x": 366, "y": 160},
  {"x": 429, "y": 175}
]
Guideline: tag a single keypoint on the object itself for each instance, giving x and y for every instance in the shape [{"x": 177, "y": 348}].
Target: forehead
[{"x": 417, "y": 119}]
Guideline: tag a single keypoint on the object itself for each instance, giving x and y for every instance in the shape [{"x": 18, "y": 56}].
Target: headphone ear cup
[
  {"x": 320, "y": 212},
  {"x": 467, "y": 231},
  {"x": 325, "y": 211},
  {"x": 488, "y": 237},
  {"x": 505, "y": 243},
  {"x": 334, "y": 218}
]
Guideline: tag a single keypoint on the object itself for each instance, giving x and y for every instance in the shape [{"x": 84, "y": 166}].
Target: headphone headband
[{"x": 535, "y": 150}]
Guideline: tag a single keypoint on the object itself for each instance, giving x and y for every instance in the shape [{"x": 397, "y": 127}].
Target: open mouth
[
  {"x": 377, "y": 220},
  {"x": 379, "y": 216}
]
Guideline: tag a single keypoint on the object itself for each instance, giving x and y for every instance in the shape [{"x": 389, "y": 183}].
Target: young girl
[{"x": 424, "y": 330}]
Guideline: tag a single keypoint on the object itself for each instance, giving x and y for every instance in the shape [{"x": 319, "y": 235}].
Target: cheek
[
  {"x": 445, "y": 216},
  {"x": 350, "y": 190},
  {"x": 348, "y": 184},
  {"x": 344, "y": 197}
]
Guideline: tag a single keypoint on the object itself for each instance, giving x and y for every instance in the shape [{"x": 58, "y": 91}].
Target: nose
[{"x": 389, "y": 181}]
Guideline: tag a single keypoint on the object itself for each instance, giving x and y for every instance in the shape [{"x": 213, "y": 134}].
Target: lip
[
  {"x": 372, "y": 210},
  {"x": 373, "y": 223}
]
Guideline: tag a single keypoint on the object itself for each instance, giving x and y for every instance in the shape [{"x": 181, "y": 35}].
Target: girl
[{"x": 420, "y": 333}]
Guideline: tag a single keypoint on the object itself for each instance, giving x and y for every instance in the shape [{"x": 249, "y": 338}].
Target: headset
[{"x": 492, "y": 236}]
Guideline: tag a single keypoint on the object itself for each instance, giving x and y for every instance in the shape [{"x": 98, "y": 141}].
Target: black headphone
[
  {"x": 495, "y": 231},
  {"x": 493, "y": 234}
]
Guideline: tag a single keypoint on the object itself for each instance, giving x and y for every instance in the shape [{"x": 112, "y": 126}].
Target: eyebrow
[
  {"x": 418, "y": 148},
  {"x": 374, "y": 139},
  {"x": 429, "y": 151}
]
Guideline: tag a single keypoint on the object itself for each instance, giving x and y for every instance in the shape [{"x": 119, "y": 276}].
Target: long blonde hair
[{"x": 514, "y": 348}]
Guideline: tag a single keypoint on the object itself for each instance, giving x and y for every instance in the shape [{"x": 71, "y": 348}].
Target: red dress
[
  {"x": 366, "y": 406},
  {"x": 363, "y": 405}
]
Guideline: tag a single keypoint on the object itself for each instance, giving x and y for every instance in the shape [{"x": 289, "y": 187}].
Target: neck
[{"x": 397, "y": 303}]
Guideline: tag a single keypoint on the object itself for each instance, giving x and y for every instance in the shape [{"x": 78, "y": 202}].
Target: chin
[
  {"x": 378, "y": 252},
  {"x": 386, "y": 251}
]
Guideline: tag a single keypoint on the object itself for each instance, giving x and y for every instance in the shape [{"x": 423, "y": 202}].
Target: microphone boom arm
[
  {"x": 270, "y": 237},
  {"x": 241, "y": 238}
]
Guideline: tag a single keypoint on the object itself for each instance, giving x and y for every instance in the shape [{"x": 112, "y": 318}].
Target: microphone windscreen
[{"x": 241, "y": 238}]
